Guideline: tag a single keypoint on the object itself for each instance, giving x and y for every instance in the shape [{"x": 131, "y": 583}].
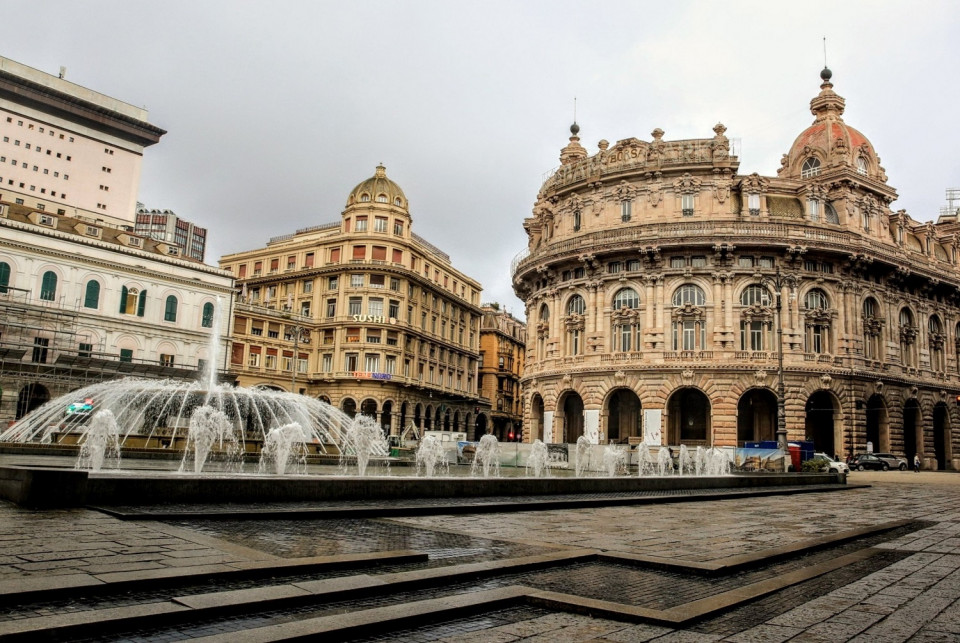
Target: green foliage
[{"x": 814, "y": 466}]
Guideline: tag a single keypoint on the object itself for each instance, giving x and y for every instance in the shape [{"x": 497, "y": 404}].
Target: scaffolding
[{"x": 953, "y": 203}]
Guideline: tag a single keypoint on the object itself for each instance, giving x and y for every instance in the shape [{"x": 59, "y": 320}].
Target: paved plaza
[{"x": 878, "y": 562}]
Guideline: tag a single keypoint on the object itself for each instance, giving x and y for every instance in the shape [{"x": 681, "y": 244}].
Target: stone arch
[
  {"x": 942, "y": 447},
  {"x": 456, "y": 420},
  {"x": 823, "y": 421},
  {"x": 369, "y": 407},
  {"x": 386, "y": 417},
  {"x": 428, "y": 418},
  {"x": 912, "y": 429},
  {"x": 689, "y": 417},
  {"x": 481, "y": 428},
  {"x": 402, "y": 420},
  {"x": 756, "y": 415},
  {"x": 878, "y": 424},
  {"x": 623, "y": 411},
  {"x": 537, "y": 428},
  {"x": 31, "y": 396},
  {"x": 569, "y": 418},
  {"x": 349, "y": 406},
  {"x": 324, "y": 398},
  {"x": 418, "y": 416}
]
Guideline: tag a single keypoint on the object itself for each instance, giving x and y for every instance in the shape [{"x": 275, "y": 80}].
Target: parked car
[
  {"x": 878, "y": 462},
  {"x": 830, "y": 463}
]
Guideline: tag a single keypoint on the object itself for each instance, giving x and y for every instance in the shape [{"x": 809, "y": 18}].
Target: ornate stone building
[
  {"x": 652, "y": 282},
  {"x": 502, "y": 355},
  {"x": 374, "y": 318}
]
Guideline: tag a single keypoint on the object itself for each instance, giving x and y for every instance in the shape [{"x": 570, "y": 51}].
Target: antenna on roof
[
  {"x": 574, "y": 109},
  {"x": 824, "y": 51}
]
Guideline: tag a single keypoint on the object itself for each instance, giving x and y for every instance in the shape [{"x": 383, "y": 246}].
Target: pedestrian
[{"x": 916, "y": 462}]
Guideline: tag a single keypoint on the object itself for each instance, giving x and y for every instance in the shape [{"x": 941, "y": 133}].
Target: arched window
[
  {"x": 861, "y": 165},
  {"x": 689, "y": 294},
  {"x": 830, "y": 213},
  {"x": 4, "y": 276},
  {"x": 816, "y": 300},
  {"x": 207, "y": 319},
  {"x": 364, "y": 198},
  {"x": 543, "y": 331},
  {"x": 935, "y": 339},
  {"x": 626, "y": 320},
  {"x": 908, "y": 336},
  {"x": 91, "y": 298},
  {"x": 872, "y": 327},
  {"x": 132, "y": 301},
  {"x": 811, "y": 168},
  {"x": 382, "y": 198},
  {"x": 170, "y": 309},
  {"x": 48, "y": 287},
  {"x": 755, "y": 295},
  {"x": 576, "y": 305},
  {"x": 397, "y": 201},
  {"x": 755, "y": 325},
  {"x": 818, "y": 322}
]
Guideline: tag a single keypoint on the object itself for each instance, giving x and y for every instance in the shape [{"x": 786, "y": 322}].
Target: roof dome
[
  {"x": 829, "y": 143},
  {"x": 378, "y": 189}
]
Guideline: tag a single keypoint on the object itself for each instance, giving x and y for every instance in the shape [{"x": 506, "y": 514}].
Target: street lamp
[
  {"x": 777, "y": 282},
  {"x": 297, "y": 331}
]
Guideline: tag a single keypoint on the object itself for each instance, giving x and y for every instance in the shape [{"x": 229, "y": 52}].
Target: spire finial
[{"x": 574, "y": 129}]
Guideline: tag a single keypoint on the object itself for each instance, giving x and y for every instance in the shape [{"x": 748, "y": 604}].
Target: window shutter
[
  {"x": 123, "y": 300},
  {"x": 142, "y": 304}
]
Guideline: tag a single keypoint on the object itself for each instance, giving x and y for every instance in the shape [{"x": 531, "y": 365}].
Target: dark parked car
[{"x": 878, "y": 461}]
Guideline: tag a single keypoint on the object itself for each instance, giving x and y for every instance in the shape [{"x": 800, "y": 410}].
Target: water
[
  {"x": 583, "y": 455},
  {"x": 211, "y": 432},
  {"x": 362, "y": 439},
  {"x": 100, "y": 442},
  {"x": 644, "y": 464},
  {"x": 614, "y": 460},
  {"x": 431, "y": 457},
  {"x": 284, "y": 450},
  {"x": 664, "y": 461},
  {"x": 538, "y": 461},
  {"x": 486, "y": 461}
]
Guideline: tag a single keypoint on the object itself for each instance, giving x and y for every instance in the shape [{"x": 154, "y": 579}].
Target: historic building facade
[
  {"x": 656, "y": 270},
  {"x": 364, "y": 314},
  {"x": 502, "y": 355},
  {"x": 82, "y": 303}
]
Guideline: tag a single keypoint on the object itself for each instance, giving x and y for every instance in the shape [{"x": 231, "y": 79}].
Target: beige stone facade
[
  {"x": 652, "y": 279},
  {"x": 502, "y": 356},
  {"x": 379, "y": 320}
]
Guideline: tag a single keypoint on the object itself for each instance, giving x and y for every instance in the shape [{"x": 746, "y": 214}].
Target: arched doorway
[
  {"x": 571, "y": 417},
  {"x": 348, "y": 406},
  {"x": 369, "y": 408},
  {"x": 623, "y": 416},
  {"x": 428, "y": 418},
  {"x": 456, "y": 420},
  {"x": 819, "y": 424},
  {"x": 386, "y": 417},
  {"x": 31, "y": 396},
  {"x": 403, "y": 417},
  {"x": 536, "y": 419},
  {"x": 878, "y": 424},
  {"x": 481, "y": 427},
  {"x": 757, "y": 416},
  {"x": 689, "y": 419},
  {"x": 324, "y": 399},
  {"x": 941, "y": 435},
  {"x": 912, "y": 436}
]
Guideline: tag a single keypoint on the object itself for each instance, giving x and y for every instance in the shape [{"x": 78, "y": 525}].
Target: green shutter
[
  {"x": 48, "y": 288},
  {"x": 92, "y": 300},
  {"x": 4, "y": 276},
  {"x": 142, "y": 304},
  {"x": 123, "y": 300}
]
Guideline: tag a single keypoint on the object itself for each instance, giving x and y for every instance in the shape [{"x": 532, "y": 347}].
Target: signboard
[
  {"x": 367, "y": 375},
  {"x": 652, "y": 419}
]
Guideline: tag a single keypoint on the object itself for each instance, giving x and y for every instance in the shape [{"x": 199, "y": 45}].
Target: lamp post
[
  {"x": 778, "y": 281},
  {"x": 297, "y": 331}
]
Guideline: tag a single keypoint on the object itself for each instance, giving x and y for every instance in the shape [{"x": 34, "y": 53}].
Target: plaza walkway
[{"x": 877, "y": 563}]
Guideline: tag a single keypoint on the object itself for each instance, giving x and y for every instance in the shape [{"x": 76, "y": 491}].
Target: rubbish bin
[
  {"x": 394, "y": 452},
  {"x": 794, "y": 455}
]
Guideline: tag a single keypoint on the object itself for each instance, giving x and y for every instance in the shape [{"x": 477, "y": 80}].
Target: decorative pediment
[
  {"x": 574, "y": 321},
  {"x": 687, "y": 184},
  {"x": 873, "y": 326},
  {"x": 688, "y": 312}
]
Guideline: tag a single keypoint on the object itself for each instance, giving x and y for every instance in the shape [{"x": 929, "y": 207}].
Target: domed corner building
[
  {"x": 652, "y": 281},
  {"x": 373, "y": 318}
]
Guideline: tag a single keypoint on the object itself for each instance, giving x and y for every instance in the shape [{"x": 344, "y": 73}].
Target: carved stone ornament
[
  {"x": 908, "y": 334},
  {"x": 878, "y": 387},
  {"x": 687, "y": 375},
  {"x": 825, "y": 381},
  {"x": 873, "y": 326},
  {"x": 687, "y": 184},
  {"x": 913, "y": 391},
  {"x": 620, "y": 375},
  {"x": 761, "y": 377},
  {"x": 574, "y": 322}
]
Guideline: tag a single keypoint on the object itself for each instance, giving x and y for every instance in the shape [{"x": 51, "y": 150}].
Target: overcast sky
[{"x": 275, "y": 110}]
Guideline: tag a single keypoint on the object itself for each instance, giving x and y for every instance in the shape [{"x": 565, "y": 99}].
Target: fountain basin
[{"x": 42, "y": 487}]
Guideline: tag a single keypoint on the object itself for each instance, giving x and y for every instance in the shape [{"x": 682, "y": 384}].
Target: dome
[
  {"x": 829, "y": 143},
  {"x": 378, "y": 189}
]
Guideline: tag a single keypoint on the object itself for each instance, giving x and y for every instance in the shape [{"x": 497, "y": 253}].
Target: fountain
[
  {"x": 614, "y": 460},
  {"x": 538, "y": 461},
  {"x": 583, "y": 455},
  {"x": 362, "y": 439},
  {"x": 643, "y": 459},
  {"x": 283, "y": 447},
  {"x": 664, "y": 461},
  {"x": 431, "y": 457},
  {"x": 100, "y": 442},
  {"x": 487, "y": 458},
  {"x": 684, "y": 461},
  {"x": 211, "y": 428}
]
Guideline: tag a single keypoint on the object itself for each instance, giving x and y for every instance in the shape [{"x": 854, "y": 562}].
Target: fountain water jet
[
  {"x": 362, "y": 439},
  {"x": 583, "y": 455},
  {"x": 614, "y": 460},
  {"x": 643, "y": 459},
  {"x": 211, "y": 433},
  {"x": 101, "y": 441},
  {"x": 431, "y": 457},
  {"x": 664, "y": 461},
  {"x": 487, "y": 457},
  {"x": 538, "y": 461},
  {"x": 284, "y": 446}
]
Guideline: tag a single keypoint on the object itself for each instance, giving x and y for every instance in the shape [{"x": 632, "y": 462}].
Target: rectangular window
[
  {"x": 374, "y": 336},
  {"x": 351, "y": 361},
  {"x": 333, "y": 283},
  {"x": 274, "y": 265},
  {"x": 766, "y": 262},
  {"x": 375, "y": 306},
  {"x": 85, "y": 350},
  {"x": 394, "y": 284},
  {"x": 753, "y": 204},
  {"x": 291, "y": 262},
  {"x": 397, "y": 256},
  {"x": 353, "y": 336},
  {"x": 698, "y": 261},
  {"x": 394, "y": 309},
  {"x": 379, "y": 253},
  {"x": 359, "y": 253},
  {"x": 678, "y": 262},
  {"x": 686, "y": 204},
  {"x": 613, "y": 267},
  {"x": 307, "y": 285},
  {"x": 355, "y": 306},
  {"x": 334, "y": 257},
  {"x": 270, "y": 361},
  {"x": 390, "y": 366},
  {"x": 126, "y": 354},
  {"x": 371, "y": 362},
  {"x": 257, "y": 268},
  {"x": 253, "y": 360},
  {"x": 377, "y": 281},
  {"x": 392, "y": 338},
  {"x": 626, "y": 210},
  {"x": 361, "y": 224},
  {"x": 745, "y": 262},
  {"x": 380, "y": 224},
  {"x": 326, "y": 363},
  {"x": 331, "y": 308},
  {"x": 398, "y": 228},
  {"x": 356, "y": 280}
]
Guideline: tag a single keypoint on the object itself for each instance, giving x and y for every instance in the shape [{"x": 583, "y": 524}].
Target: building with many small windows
[
  {"x": 83, "y": 303},
  {"x": 364, "y": 314},
  {"x": 658, "y": 280},
  {"x": 68, "y": 150},
  {"x": 502, "y": 354},
  {"x": 165, "y": 226}
]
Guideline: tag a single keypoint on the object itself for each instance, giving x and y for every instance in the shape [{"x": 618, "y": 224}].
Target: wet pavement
[{"x": 59, "y": 568}]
